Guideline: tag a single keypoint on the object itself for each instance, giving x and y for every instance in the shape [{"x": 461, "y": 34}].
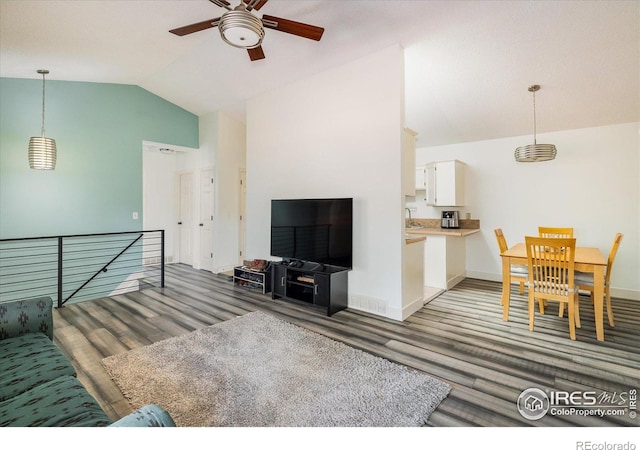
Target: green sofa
[{"x": 38, "y": 384}]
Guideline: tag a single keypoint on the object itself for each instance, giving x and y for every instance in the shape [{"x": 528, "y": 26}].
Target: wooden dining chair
[
  {"x": 551, "y": 265},
  {"x": 518, "y": 272},
  {"x": 555, "y": 232},
  {"x": 584, "y": 280}
]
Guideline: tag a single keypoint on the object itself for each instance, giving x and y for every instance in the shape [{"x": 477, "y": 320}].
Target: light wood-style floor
[{"x": 459, "y": 337}]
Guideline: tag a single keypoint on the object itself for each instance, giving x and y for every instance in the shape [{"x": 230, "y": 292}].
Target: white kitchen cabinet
[
  {"x": 430, "y": 183},
  {"x": 444, "y": 257},
  {"x": 412, "y": 279},
  {"x": 444, "y": 183},
  {"x": 421, "y": 178},
  {"x": 409, "y": 161},
  {"x": 445, "y": 263}
]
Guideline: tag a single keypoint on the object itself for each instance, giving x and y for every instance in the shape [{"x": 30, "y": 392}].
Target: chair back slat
[
  {"x": 551, "y": 265},
  {"x": 555, "y": 232},
  {"x": 612, "y": 256},
  {"x": 502, "y": 241}
]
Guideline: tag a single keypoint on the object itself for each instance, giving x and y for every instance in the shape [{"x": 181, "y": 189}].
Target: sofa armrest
[
  {"x": 147, "y": 416},
  {"x": 33, "y": 315}
]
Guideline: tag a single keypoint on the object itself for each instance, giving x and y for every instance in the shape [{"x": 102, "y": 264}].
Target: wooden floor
[{"x": 458, "y": 337}]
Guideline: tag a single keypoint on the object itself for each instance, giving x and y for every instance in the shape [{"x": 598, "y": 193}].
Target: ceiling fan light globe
[{"x": 241, "y": 37}]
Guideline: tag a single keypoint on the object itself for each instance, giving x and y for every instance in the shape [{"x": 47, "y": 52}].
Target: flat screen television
[{"x": 314, "y": 230}]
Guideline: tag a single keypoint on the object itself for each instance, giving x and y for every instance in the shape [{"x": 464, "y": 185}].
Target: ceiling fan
[{"x": 241, "y": 28}]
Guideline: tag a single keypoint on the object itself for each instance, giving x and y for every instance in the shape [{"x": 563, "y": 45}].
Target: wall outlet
[{"x": 135, "y": 215}]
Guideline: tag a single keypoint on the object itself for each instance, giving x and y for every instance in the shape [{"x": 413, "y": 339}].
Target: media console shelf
[
  {"x": 323, "y": 286},
  {"x": 246, "y": 277}
]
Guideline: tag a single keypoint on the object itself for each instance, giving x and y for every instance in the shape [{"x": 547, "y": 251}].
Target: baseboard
[
  {"x": 430, "y": 293},
  {"x": 221, "y": 269},
  {"x": 629, "y": 294},
  {"x": 412, "y": 307},
  {"x": 487, "y": 276},
  {"x": 373, "y": 306},
  {"x": 455, "y": 280}
]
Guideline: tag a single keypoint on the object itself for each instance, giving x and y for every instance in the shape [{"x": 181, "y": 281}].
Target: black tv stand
[{"x": 312, "y": 283}]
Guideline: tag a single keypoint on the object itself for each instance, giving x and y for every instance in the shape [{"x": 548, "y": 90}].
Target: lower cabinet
[
  {"x": 278, "y": 280},
  {"x": 444, "y": 261},
  {"x": 322, "y": 286}
]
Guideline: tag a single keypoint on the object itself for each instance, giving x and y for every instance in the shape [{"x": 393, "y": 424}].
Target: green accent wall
[{"x": 99, "y": 129}]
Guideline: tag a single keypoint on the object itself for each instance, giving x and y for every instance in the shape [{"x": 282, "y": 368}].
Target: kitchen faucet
[{"x": 409, "y": 210}]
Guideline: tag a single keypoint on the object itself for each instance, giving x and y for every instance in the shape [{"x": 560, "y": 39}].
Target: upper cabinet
[
  {"x": 409, "y": 161},
  {"x": 443, "y": 182},
  {"x": 421, "y": 178}
]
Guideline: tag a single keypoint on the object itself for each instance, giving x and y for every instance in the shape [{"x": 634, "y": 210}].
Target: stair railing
[{"x": 81, "y": 266}]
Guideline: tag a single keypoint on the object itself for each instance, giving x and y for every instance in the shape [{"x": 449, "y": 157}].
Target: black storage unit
[
  {"x": 251, "y": 278},
  {"x": 316, "y": 284}
]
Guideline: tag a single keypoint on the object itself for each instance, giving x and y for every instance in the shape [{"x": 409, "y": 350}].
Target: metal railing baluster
[{"x": 85, "y": 265}]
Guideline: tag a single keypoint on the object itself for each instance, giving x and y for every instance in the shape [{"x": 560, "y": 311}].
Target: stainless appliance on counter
[{"x": 450, "y": 219}]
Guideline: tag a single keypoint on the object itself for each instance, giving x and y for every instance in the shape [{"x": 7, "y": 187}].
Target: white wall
[
  {"x": 223, "y": 147},
  {"x": 230, "y": 158},
  {"x": 592, "y": 185},
  {"x": 336, "y": 134}
]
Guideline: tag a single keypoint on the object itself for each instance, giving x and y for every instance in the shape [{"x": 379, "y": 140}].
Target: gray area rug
[{"x": 259, "y": 371}]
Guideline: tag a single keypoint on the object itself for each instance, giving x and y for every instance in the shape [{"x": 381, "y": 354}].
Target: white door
[
  {"x": 185, "y": 219},
  {"x": 205, "y": 224},
  {"x": 243, "y": 227}
]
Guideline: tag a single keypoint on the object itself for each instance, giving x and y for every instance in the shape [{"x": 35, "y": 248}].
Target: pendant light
[
  {"x": 42, "y": 150},
  {"x": 535, "y": 152}
]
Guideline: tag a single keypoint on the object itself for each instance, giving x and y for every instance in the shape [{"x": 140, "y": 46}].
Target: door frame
[
  {"x": 209, "y": 266},
  {"x": 242, "y": 215}
]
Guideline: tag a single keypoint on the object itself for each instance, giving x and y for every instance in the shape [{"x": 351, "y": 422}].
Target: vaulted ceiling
[{"x": 468, "y": 63}]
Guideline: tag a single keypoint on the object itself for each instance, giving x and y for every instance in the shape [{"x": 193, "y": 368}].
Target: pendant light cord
[
  {"x": 534, "y": 118},
  {"x": 42, "y": 129}
]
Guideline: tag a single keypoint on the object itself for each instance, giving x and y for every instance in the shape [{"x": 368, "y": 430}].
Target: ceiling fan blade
[
  {"x": 291, "y": 27},
  {"x": 256, "y": 53},
  {"x": 188, "y": 29},
  {"x": 221, "y": 3},
  {"x": 255, "y": 4}
]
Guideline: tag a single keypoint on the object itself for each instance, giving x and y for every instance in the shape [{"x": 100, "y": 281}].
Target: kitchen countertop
[
  {"x": 414, "y": 239},
  {"x": 437, "y": 231}
]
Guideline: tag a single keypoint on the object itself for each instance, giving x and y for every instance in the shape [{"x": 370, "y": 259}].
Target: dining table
[{"x": 587, "y": 259}]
